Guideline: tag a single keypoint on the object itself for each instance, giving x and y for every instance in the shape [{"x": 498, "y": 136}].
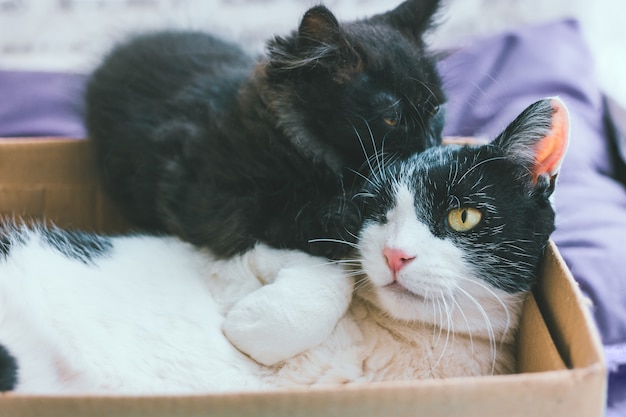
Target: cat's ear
[
  {"x": 412, "y": 17},
  {"x": 322, "y": 43},
  {"x": 538, "y": 139},
  {"x": 318, "y": 27},
  {"x": 319, "y": 43}
]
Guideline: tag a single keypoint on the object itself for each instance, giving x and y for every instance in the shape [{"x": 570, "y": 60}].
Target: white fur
[
  {"x": 295, "y": 312},
  {"x": 139, "y": 321},
  {"x": 151, "y": 316}
]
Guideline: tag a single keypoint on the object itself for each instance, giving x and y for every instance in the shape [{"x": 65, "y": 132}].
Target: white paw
[
  {"x": 254, "y": 326},
  {"x": 288, "y": 317}
]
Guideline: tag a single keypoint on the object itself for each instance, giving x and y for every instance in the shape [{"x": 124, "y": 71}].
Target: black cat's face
[
  {"x": 366, "y": 87},
  {"x": 395, "y": 99}
]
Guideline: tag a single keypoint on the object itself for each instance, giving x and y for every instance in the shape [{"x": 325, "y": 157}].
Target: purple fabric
[
  {"x": 41, "y": 104},
  {"x": 489, "y": 82}
]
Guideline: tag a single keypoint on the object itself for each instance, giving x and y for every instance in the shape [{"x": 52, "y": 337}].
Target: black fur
[
  {"x": 81, "y": 246},
  {"x": 10, "y": 237},
  {"x": 6, "y": 244},
  {"x": 194, "y": 138},
  {"x": 517, "y": 218},
  {"x": 8, "y": 370}
]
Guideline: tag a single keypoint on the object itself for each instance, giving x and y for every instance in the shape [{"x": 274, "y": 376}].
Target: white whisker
[
  {"x": 467, "y": 324},
  {"x": 449, "y": 327},
  {"x": 490, "y": 332},
  {"x": 500, "y": 301},
  {"x": 367, "y": 159},
  {"x": 365, "y": 177},
  {"x": 497, "y": 158},
  {"x": 328, "y": 240}
]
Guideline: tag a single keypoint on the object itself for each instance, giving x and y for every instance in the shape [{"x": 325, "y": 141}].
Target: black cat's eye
[
  {"x": 434, "y": 110},
  {"x": 391, "y": 121},
  {"x": 464, "y": 219}
]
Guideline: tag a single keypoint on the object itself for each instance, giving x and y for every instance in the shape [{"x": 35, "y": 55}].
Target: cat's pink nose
[{"x": 396, "y": 258}]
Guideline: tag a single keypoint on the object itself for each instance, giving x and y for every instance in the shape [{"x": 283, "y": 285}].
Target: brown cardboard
[
  {"x": 55, "y": 180},
  {"x": 561, "y": 367}
]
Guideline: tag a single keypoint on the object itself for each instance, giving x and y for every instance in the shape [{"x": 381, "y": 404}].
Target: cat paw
[
  {"x": 290, "y": 316},
  {"x": 260, "y": 326}
]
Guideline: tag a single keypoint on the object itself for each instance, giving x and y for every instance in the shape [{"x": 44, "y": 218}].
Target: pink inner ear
[{"x": 550, "y": 150}]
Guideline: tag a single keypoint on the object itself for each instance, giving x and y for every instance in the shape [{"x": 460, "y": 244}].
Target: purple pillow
[{"x": 41, "y": 104}]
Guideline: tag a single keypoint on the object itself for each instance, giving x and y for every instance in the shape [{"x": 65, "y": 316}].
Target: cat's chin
[
  {"x": 433, "y": 309},
  {"x": 399, "y": 302},
  {"x": 401, "y": 292}
]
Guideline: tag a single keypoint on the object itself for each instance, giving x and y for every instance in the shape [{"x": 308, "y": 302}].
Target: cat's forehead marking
[
  {"x": 404, "y": 199},
  {"x": 404, "y": 207}
]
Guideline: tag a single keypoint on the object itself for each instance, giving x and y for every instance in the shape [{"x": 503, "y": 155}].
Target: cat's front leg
[{"x": 300, "y": 305}]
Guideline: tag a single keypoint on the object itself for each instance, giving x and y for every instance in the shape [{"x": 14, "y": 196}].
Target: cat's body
[
  {"x": 451, "y": 244},
  {"x": 124, "y": 325},
  {"x": 195, "y": 138}
]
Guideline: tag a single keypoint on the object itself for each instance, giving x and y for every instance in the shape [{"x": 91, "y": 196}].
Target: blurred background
[{"x": 72, "y": 35}]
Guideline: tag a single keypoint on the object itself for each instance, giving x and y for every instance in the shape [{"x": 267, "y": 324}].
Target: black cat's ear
[
  {"x": 318, "y": 27},
  {"x": 538, "y": 139},
  {"x": 319, "y": 44},
  {"x": 322, "y": 41},
  {"x": 412, "y": 17}
]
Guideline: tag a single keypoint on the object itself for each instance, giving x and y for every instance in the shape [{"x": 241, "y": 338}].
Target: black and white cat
[
  {"x": 450, "y": 246},
  {"x": 193, "y": 137}
]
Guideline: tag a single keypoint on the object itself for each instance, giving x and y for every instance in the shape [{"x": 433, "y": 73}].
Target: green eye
[
  {"x": 391, "y": 121},
  {"x": 464, "y": 219}
]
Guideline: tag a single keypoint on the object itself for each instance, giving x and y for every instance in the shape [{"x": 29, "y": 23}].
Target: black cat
[{"x": 195, "y": 138}]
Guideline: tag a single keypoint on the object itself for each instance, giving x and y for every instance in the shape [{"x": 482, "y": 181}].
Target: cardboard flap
[
  {"x": 566, "y": 314},
  {"x": 539, "y": 353}
]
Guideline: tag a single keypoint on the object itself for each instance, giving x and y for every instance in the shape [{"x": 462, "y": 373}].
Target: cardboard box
[{"x": 561, "y": 367}]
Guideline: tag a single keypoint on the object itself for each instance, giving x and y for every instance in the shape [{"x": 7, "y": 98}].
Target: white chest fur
[{"x": 368, "y": 346}]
